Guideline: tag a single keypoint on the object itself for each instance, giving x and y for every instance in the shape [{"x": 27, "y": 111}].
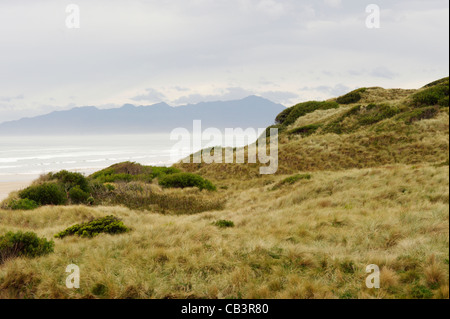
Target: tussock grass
[{"x": 311, "y": 241}]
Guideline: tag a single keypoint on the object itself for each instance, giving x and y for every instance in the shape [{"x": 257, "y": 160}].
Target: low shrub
[
  {"x": 78, "y": 196},
  {"x": 184, "y": 180},
  {"x": 128, "y": 172},
  {"x": 45, "y": 194},
  {"x": 377, "y": 113},
  {"x": 108, "y": 225},
  {"x": 433, "y": 95},
  {"x": 361, "y": 116},
  {"x": 419, "y": 114},
  {"x": 336, "y": 125},
  {"x": 23, "y": 204},
  {"x": 23, "y": 245},
  {"x": 69, "y": 180},
  {"x": 305, "y": 130},
  {"x": 281, "y": 118},
  {"x": 352, "y": 97},
  {"x": 308, "y": 107},
  {"x": 434, "y": 83},
  {"x": 224, "y": 224},
  {"x": 289, "y": 116},
  {"x": 162, "y": 171}
]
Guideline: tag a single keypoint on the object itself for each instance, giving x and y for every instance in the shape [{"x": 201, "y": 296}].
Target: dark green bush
[
  {"x": 362, "y": 116},
  {"x": 434, "y": 83},
  {"x": 376, "y": 113},
  {"x": 78, "y": 196},
  {"x": 23, "y": 204},
  {"x": 306, "y": 130},
  {"x": 308, "y": 107},
  {"x": 224, "y": 224},
  {"x": 112, "y": 178},
  {"x": 289, "y": 116},
  {"x": 45, "y": 194},
  {"x": 433, "y": 95},
  {"x": 281, "y": 118},
  {"x": 336, "y": 126},
  {"x": 69, "y": 180},
  {"x": 184, "y": 180},
  {"x": 162, "y": 171},
  {"x": 108, "y": 225},
  {"x": 23, "y": 245},
  {"x": 419, "y": 114},
  {"x": 128, "y": 172},
  {"x": 352, "y": 97},
  {"x": 444, "y": 101}
]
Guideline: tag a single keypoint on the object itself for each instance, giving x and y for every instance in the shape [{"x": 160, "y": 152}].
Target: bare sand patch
[{"x": 8, "y": 187}]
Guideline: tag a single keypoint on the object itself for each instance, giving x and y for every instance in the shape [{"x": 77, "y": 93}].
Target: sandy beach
[{"x": 8, "y": 187}]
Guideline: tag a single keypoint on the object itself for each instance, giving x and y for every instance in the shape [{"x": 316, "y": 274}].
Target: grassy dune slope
[{"x": 375, "y": 194}]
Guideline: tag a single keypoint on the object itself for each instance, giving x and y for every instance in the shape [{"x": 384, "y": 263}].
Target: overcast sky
[{"x": 187, "y": 51}]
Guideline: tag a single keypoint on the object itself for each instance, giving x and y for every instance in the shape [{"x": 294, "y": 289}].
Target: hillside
[
  {"x": 363, "y": 179},
  {"x": 365, "y": 128},
  {"x": 252, "y": 111}
]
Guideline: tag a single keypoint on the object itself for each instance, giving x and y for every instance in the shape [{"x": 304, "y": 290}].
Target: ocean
[{"x": 24, "y": 158}]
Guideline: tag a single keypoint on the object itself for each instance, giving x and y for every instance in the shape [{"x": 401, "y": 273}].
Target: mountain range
[{"x": 252, "y": 111}]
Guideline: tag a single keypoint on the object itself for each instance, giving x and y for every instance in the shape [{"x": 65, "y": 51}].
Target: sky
[{"x": 188, "y": 51}]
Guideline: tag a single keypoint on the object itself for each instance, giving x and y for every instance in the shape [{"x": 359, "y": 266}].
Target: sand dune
[{"x": 8, "y": 187}]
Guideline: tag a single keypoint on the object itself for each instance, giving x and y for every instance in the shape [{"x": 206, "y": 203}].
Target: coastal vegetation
[{"x": 363, "y": 179}]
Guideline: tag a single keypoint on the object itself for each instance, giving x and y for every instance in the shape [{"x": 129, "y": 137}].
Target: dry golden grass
[
  {"x": 388, "y": 142},
  {"x": 312, "y": 239}
]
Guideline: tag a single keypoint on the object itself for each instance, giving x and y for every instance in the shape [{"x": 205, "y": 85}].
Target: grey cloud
[
  {"x": 382, "y": 72},
  {"x": 231, "y": 93},
  {"x": 330, "y": 91},
  {"x": 11, "y": 98},
  {"x": 151, "y": 95},
  {"x": 204, "y": 45},
  {"x": 282, "y": 97}
]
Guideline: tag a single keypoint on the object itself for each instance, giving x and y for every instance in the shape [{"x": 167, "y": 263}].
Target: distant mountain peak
[{"x": 253, "y": 111}]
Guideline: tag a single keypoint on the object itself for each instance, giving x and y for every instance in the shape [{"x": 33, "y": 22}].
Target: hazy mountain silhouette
[{"x": 252, "y": 111}]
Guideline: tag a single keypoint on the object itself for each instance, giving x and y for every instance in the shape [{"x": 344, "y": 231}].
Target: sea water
[{"x": 23, "y": 158}]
